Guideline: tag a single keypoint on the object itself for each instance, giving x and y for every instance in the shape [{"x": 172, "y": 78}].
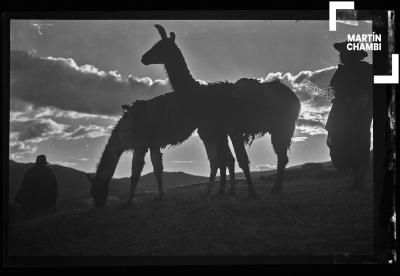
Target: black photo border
[{"x": 384, "y": 190}]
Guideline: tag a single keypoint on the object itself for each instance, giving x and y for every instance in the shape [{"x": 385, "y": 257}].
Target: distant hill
[
  {"x": 74, "y": 183},
  {"x": 71, "y": 182},
  {"x": 267, "y": 173},
  {"x": 148, "y": 182},
  {"x": 323, "y": 170}
]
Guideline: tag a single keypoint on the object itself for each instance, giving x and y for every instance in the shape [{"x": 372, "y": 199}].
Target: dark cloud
[
  {"x": 40, "y": 129},
  {"x": 36, "y": 130},
  {"x": 312, "y": 119},
  {"x": 26, "y": 134},
  {"x": 320, "y": 101},
  {"x": 19, "y": 149},
  {"x": 89, "y": 131},
  {"x": 310, "y": 122},
  {"x": 30, "y": 131},
  {"x": 61, "y": 83}
]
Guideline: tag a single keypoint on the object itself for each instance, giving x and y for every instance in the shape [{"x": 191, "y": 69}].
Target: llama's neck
[
  {"x": 179, "y": 75},
  {"x": 109, "y": 160}
]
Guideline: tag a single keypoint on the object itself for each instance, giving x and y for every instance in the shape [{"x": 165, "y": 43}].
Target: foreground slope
[{"x": 313, "y": 216}]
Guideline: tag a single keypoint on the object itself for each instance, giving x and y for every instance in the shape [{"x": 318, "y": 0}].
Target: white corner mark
[
  {"x": 394, "y": 78},
  {"x": 337, "y": 5},
  {"x": 349, "y": 5}
]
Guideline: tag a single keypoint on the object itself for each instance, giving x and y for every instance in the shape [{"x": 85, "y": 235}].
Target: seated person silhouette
[
  {"x": 350, "y": 118},
  {"x": 38, "y": 191}
]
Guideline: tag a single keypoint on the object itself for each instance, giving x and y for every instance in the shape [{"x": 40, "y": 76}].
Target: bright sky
[{"x": 69, "y": 78}]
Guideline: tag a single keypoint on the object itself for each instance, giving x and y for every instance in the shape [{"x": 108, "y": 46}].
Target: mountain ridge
[{"x": 74, "y": 183}]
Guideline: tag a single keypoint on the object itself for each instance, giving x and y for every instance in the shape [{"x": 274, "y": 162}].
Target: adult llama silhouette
[
  {"x": 244, "y": 110},
  {"x": 146, "y": 125}
]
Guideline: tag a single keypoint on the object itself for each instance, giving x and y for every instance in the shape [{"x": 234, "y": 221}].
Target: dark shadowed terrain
[
  {"x": 315, "y": 215},
  {"x": 73, "y": 183}
]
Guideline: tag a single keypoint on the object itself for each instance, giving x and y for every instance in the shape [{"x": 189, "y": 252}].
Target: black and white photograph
[{"x": 193, "y": 137}]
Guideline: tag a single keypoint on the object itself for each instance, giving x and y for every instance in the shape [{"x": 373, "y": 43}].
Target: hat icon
[
  {"x": 342, "y": 48},
  {"x": 41, "y": 159}
]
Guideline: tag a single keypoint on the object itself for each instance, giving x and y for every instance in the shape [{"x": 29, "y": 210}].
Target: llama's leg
[
  {"x": 231, "y": 169},
  {"x": 243, "y": 160},
  {"x": 230, "y": 161},
  {"x": 221, "y": 156},
  {"x": 222, "y": 181},
  {"x": 137, "y": 167},
  {"x": 156, "y": 160},
  {"x": 213, "y": 173},
  {"x": 282, "y": 161},
  {"x": 281, "y": 143},
  {"x": 211, "y": 150}
]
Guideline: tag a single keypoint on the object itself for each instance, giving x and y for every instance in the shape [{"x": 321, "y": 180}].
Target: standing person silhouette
[
  {"x": 350, "y": 118},
  {"x": 38, "y": 191}
]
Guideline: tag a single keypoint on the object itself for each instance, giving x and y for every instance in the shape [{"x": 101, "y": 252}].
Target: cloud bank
[{"x": 61, "y": 83}]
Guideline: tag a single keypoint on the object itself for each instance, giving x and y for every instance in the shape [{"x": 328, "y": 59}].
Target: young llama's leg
[
  {"x": 137, "y": 167},
  {"x": 211, "y": 150},
  {"x": 156, "y": 160},
  {"x": 229, "y": 162},
  {"x": 231, "y": 168},
  {"x": 243, "y": 160}
]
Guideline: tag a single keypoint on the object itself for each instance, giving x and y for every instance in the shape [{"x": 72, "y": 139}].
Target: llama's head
[
  {"x": 163, "y": 51},
  {"x": 121, "y": 139}
]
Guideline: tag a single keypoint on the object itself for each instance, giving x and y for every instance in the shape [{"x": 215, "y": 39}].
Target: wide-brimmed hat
[
  {"x": 342, "y": 48},
  {"x": 41, "y": 159}
]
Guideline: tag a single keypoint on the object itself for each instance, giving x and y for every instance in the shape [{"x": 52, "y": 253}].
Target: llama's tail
[
  {"x": 291, "y": 109},
  {"x": 294, "y": 113},
  {"x": 292, "y": 102}
]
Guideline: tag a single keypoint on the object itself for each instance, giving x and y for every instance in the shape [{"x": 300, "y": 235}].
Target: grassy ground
[{"x": 313, "y": 217}]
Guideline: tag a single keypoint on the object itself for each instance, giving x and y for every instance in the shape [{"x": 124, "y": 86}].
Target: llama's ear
[
  {"x": 161, "y": 31},
  {"x": 172, "y": 36},
  {"x": 125, "y": 107}
]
